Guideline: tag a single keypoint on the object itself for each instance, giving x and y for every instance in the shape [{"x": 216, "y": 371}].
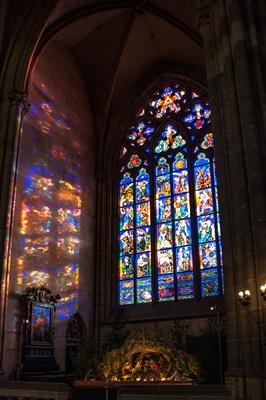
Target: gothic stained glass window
[{"x": 169, "y": 231}]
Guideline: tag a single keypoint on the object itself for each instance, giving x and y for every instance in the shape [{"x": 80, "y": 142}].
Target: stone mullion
[{"x": 14, "y": 105}]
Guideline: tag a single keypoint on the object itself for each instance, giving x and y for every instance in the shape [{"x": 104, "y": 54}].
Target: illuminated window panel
[
  {"x": 181, "y": 206},
  {"x": 170, "y": 140},
  {"x": 144, "y": 291},
  {"x": 140, "y": 133},
  {"x": 180, "y": 182},
  {"x": 202, "y": 172},
  {"x": 206, "y": 228},
  {"x": 126, "y": 218},
  {"x": 197, "y": 116},
  {"x": 169, "y": 100},
  {"x": 143, "y": 239},
  {"x": 126, "y": 292},
  {"x": 209, "y": 282},
  {"x": 165, "y": 261},
  {"x": 162, "y": 167},
  {"x": 183, "y": 232},
  {"x": 185, "y": 285},
  {"x": 143, "y": 262},
  {"x": 168, "y": 211},
  {"x": 126, "y": 267},
  {"x": 184, "y": 259},
  {"x": 163, "y": 186},
  {"x": 143, "y": 214},
  {"x": 208, "y": 255},
  {"x": 166, "y": 287},
  {"x": 164, "y": 236},
  {"x": 164, "y": 209},
  {"x": 126, "y": 242}
]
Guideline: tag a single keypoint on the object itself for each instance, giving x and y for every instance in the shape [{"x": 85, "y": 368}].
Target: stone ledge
[{"x": 40, "y": 390}]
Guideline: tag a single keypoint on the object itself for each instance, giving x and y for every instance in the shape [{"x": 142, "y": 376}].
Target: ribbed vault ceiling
[{"x": 119, "y": 46}]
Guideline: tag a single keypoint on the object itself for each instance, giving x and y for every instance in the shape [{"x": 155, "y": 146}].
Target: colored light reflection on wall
[{"x": 48, "y": 208}]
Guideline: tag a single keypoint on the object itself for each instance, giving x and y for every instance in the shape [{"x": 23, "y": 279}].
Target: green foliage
[
  {"x": 91, "y": 352},
  {"x": 179, "y": 333}
]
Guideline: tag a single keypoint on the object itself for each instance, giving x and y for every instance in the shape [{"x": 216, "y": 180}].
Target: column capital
[
  {"x": 203, "y": 12},
  {"x": 19, "y": 98}
]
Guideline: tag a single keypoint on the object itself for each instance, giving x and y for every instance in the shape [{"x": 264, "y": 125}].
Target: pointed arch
[{"x": 169, "y": 234}]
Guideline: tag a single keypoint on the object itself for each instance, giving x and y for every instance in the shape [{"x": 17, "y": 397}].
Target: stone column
[
  {"x": 14, "y": 105},
  {"x": 231, "y": 31}
]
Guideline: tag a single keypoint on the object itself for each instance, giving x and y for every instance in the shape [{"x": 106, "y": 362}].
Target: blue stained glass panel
[
  {"x": 203, "y": 176},
  {"x": 126, "y": 194},
  {"x": 142, "y": 190},
  {"x": 179, "y": 162},
  {"x": 142, "y": 175},
  {"x": 209, "y": 283},
  {"x": 163, "y": 209},
  {"x": 143, "y": 236},
  {"x": 182, "y": 232},
  {"x": 140, "y": 132},
  {"x": 169, "y": 139},
  {"x": 206, "y": 229},
  {"x": 185, "y": 285},
  {"x": 214, "y": 173},
  {"x": 144, "y": 290},
  {"x": 216, "y": 199},
  {"x": 184, "y": 259},
  {"x": 163, "y": 187},
  {"x": 197, "y": 116},
  {"x": 143, "y": 214},
  {"x": 208, "y": 255},
  {"x": 166, "y": 287},
  {"x": 164, "y": 236},
  {"x": 162, "y": 167},
  {"x": 126, "y": 218},
  {"x": 204, "y": 201},
  {"x": 143, "y": 261},
  {"x": 126, "y": 242},
  {"x": 208, "y": 141},
  {"x": 165, "y": 261},
  {"x": 181, "y": 206},
  {"x": 126, "y": 292},
  {"x": 180, "y": 182},
  {"x": 126, "y": 267}
]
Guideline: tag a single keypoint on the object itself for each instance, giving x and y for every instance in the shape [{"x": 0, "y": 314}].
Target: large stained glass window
[{"x": 169, "y": 234}]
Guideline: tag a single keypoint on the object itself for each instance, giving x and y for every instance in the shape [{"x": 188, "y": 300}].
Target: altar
[{"x": 183, "y": 390}]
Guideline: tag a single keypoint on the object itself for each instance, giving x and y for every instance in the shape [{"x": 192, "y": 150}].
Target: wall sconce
[
  {"x": 263, "y": 291},
  {"x": 244, "y": 298}
]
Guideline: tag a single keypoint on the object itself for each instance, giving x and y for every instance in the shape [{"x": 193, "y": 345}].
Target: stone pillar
[
  {"x": 14, "y": 105},
  {"x": 233, "y": 35}
]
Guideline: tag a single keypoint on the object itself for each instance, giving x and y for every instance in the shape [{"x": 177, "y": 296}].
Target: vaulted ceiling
[{"x": 119, "y": 46}]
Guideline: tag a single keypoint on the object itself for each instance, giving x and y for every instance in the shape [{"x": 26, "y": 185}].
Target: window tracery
[{"x": 169, "y": 233}]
